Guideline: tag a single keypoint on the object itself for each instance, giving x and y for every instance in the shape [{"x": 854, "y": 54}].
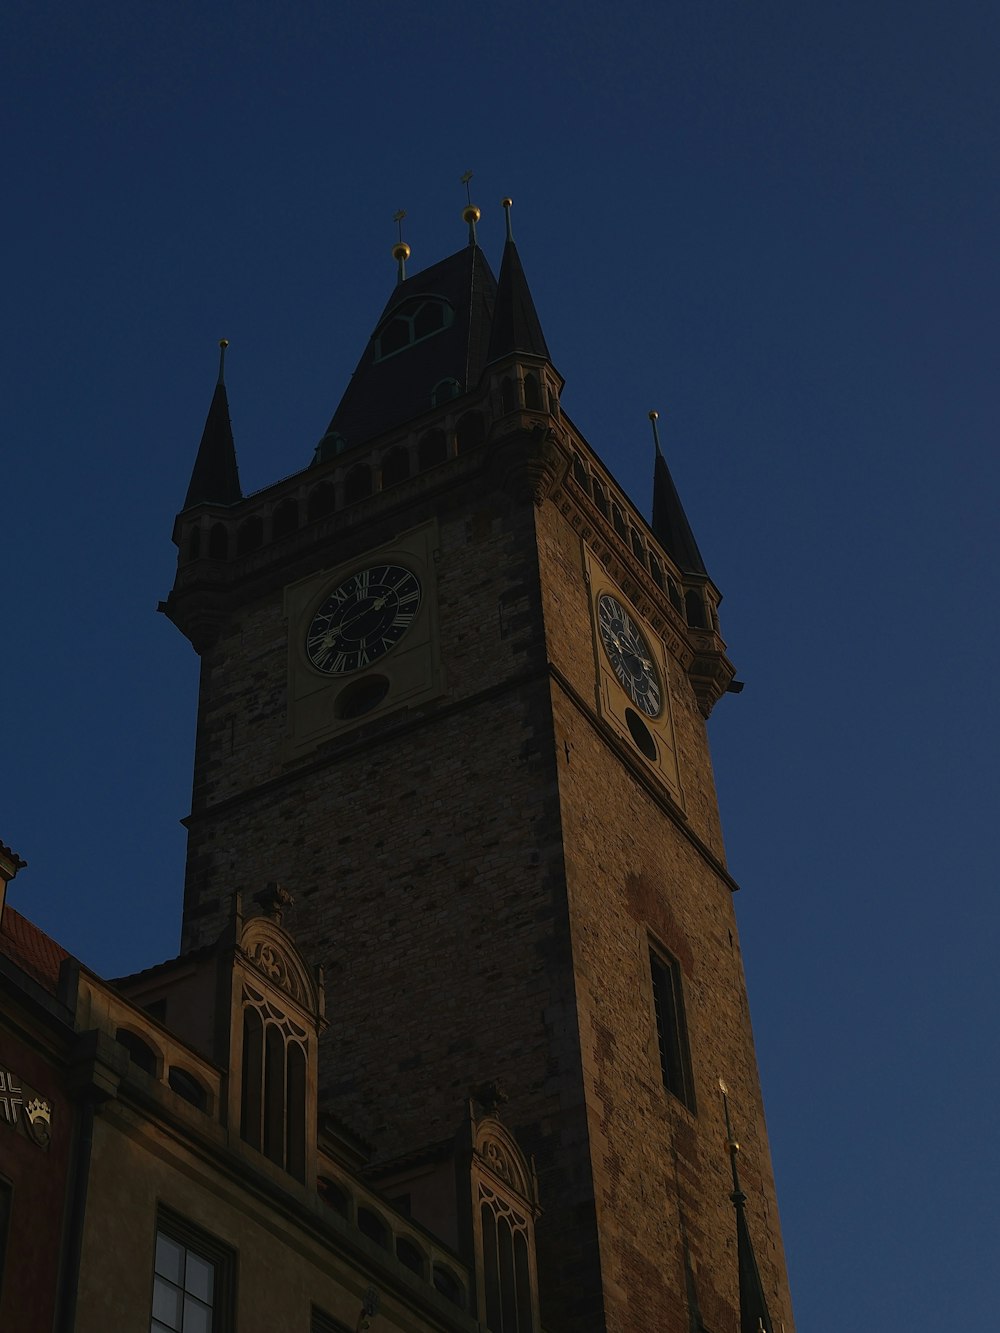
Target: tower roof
[
  {"x": 670, "y": 525},
  {"x": 516, "y": 326},
  {"x": 435, "y": 329},
  {"x": 215, "y": 477}
]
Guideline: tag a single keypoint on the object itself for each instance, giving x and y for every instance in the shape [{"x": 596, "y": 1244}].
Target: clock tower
[{"x": 453, "y": 696}]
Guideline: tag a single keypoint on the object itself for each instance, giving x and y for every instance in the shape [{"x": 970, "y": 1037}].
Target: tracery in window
[
  {"x": 273, "y": 1102},
  {"x": 506, "y": 1269},
  {"x": 420, "y": 318}
]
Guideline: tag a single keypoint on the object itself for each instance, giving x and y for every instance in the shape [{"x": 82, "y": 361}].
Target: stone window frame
[
  {"x": 670, "y": 1030},
  {"x": 193, "y": 1240}
]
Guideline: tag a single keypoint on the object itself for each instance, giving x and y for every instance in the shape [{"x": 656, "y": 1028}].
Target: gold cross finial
[
  {"x": 470, "y": 213},
  {"x": 400, "y": 251}
]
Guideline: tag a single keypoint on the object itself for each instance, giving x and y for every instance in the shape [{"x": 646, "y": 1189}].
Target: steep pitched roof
[
  {"x": 516, "y": 326},
  {"x": 215, "y": 477},
  {"x": 31, "y": 949},
  {"x": 670, "y": 526},
  {"x": 387, "y": 390}
]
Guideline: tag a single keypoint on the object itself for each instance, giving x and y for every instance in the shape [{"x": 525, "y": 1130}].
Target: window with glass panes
[{"x": 189, "y": 1282}]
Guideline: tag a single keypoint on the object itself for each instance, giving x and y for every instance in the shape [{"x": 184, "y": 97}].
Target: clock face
[
  {"x": 363, "y": 619},
  {"x": 629, "y": 655}
]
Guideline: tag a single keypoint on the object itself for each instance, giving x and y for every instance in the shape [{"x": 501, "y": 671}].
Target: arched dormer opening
[
  {"x": 444, "y": 391},
  {"x": 218, "y": 542},
  {"x": 415, "y": 320},
  {"x": 694, "y": 609},
  {"x": 504, "y": 1209},
  {"x": 278, "y": 1008},
  {"x": 532, "y": 392},
  {"x": 508, "y": 394}
]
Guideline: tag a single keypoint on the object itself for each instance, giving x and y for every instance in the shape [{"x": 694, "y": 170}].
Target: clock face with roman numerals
[
  {"x": 629, "y": 655},
  {"x": 362, "y": 619}
]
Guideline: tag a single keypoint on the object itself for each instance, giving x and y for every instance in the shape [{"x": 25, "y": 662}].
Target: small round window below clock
[
  {"x": 362, "y": 697},
  {"x": 641, "y": 734}
]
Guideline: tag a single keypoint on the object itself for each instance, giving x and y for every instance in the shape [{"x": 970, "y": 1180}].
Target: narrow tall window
[
  {"x": 671, "y": 1032},
  {"x": 273, "y": 1105},
  {"x": 506, "y": 1271},
  {"x": 192, "y": 1275}
]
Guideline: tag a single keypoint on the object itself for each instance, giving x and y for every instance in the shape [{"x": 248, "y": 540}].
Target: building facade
[{"x": 453, "y": 695}]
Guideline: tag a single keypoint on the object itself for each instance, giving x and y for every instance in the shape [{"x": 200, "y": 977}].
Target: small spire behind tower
[
  {"x": 754, "y": 1316},
  {"x": 470, "y": 213},
  {"x": 215, "y": 478},
  {"x": 669, "y": 522},
  {"x": 400, "y": 251}
]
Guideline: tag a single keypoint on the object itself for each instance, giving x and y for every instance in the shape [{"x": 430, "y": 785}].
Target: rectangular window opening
[
  {"x": 671, "y": 1029},
  {"x": 193, "y": 1277}
]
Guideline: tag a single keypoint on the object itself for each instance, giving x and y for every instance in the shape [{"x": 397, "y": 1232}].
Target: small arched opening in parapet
[
  {"x": 333, "y": 1196},
  {"x": 218, "y": 542},
  {"x": 694, "y": 609},
  {"x": 357, "y": 484},
  {"x": 638, "y": 546},
  {"x": 188, "y": 1087},
  {"x": 395, "y": 466},
  {"x": 508, "y": 395},
  {"x": 411, "y": 1256},
  {"x": 322, "y": 501},
  {"x": 432, "y": 449},
  {"x": 470, "y": 431},
  {"x": 285, "y": 518},
  {"x": 194, "y": 542},
  {"x": 532, "y": 392},
  {"x": 250, "y": 535},
  {"x": 140, "y": 1052},
  {"x": 448, "y": 1285},
  {"x": 618, "y": 520},
  {"x": 601, "y": 499},
  {"x": 372, "y": 1226}
]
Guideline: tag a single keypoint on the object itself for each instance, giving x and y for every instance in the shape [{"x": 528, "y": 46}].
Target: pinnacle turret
[
  {"x": 669, "y": 523},
  {"x": 516, "y": 326},
  {"x": 215, "y": 478}
]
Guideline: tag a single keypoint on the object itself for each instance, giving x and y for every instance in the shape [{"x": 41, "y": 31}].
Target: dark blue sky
[{"x": 776, "y": 222}]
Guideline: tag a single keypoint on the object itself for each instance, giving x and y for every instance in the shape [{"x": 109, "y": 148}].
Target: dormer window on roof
[{"x": 411, "y": 323}]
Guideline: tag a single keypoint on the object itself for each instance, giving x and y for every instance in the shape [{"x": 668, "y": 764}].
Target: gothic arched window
[
  {"x": 322, "y": 501},
  {"x": 506, "y": 1269},
  {"x": 250, "y": 535},
  {"x": 532, "y": 392},
  {"x": 419, "y": 318},
  {"x": 285, "y": 518},
  {"x": 273, "y": 1105}
]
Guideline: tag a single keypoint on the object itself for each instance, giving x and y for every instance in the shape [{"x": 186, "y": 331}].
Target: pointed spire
[
  {"x": 670, "y": 526},
  {"x": 754, "y": 1316},
  {"x": 516, "y": 327},
  {"x": 215, "y": 478}
]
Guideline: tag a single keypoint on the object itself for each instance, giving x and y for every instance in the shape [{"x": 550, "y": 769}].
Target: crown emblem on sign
[{"x": 39, "y": 1111}]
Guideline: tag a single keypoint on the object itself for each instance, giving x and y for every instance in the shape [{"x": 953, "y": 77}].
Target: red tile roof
[{"x": 31, "y": 949}]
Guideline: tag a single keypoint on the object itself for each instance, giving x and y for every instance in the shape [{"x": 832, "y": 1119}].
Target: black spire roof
[
  {"x": 670, "y": 526},
  {"x": 215, "y": 477},
  {"x": 435, "y": 328},
  {"x": 516, "y": 327},
  {"x": 754, "y": 1315}
]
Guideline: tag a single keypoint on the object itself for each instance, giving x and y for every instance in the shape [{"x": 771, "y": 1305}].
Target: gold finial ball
[
  {"x": 471, "y": 213},
  {"x": 655, "y": 416},
  {"x": 223, "y": 343},
  {"x": 506, "y": 203},
  {"x": 400, "y": 250},
  {"x": 733, "y": 1146}
]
